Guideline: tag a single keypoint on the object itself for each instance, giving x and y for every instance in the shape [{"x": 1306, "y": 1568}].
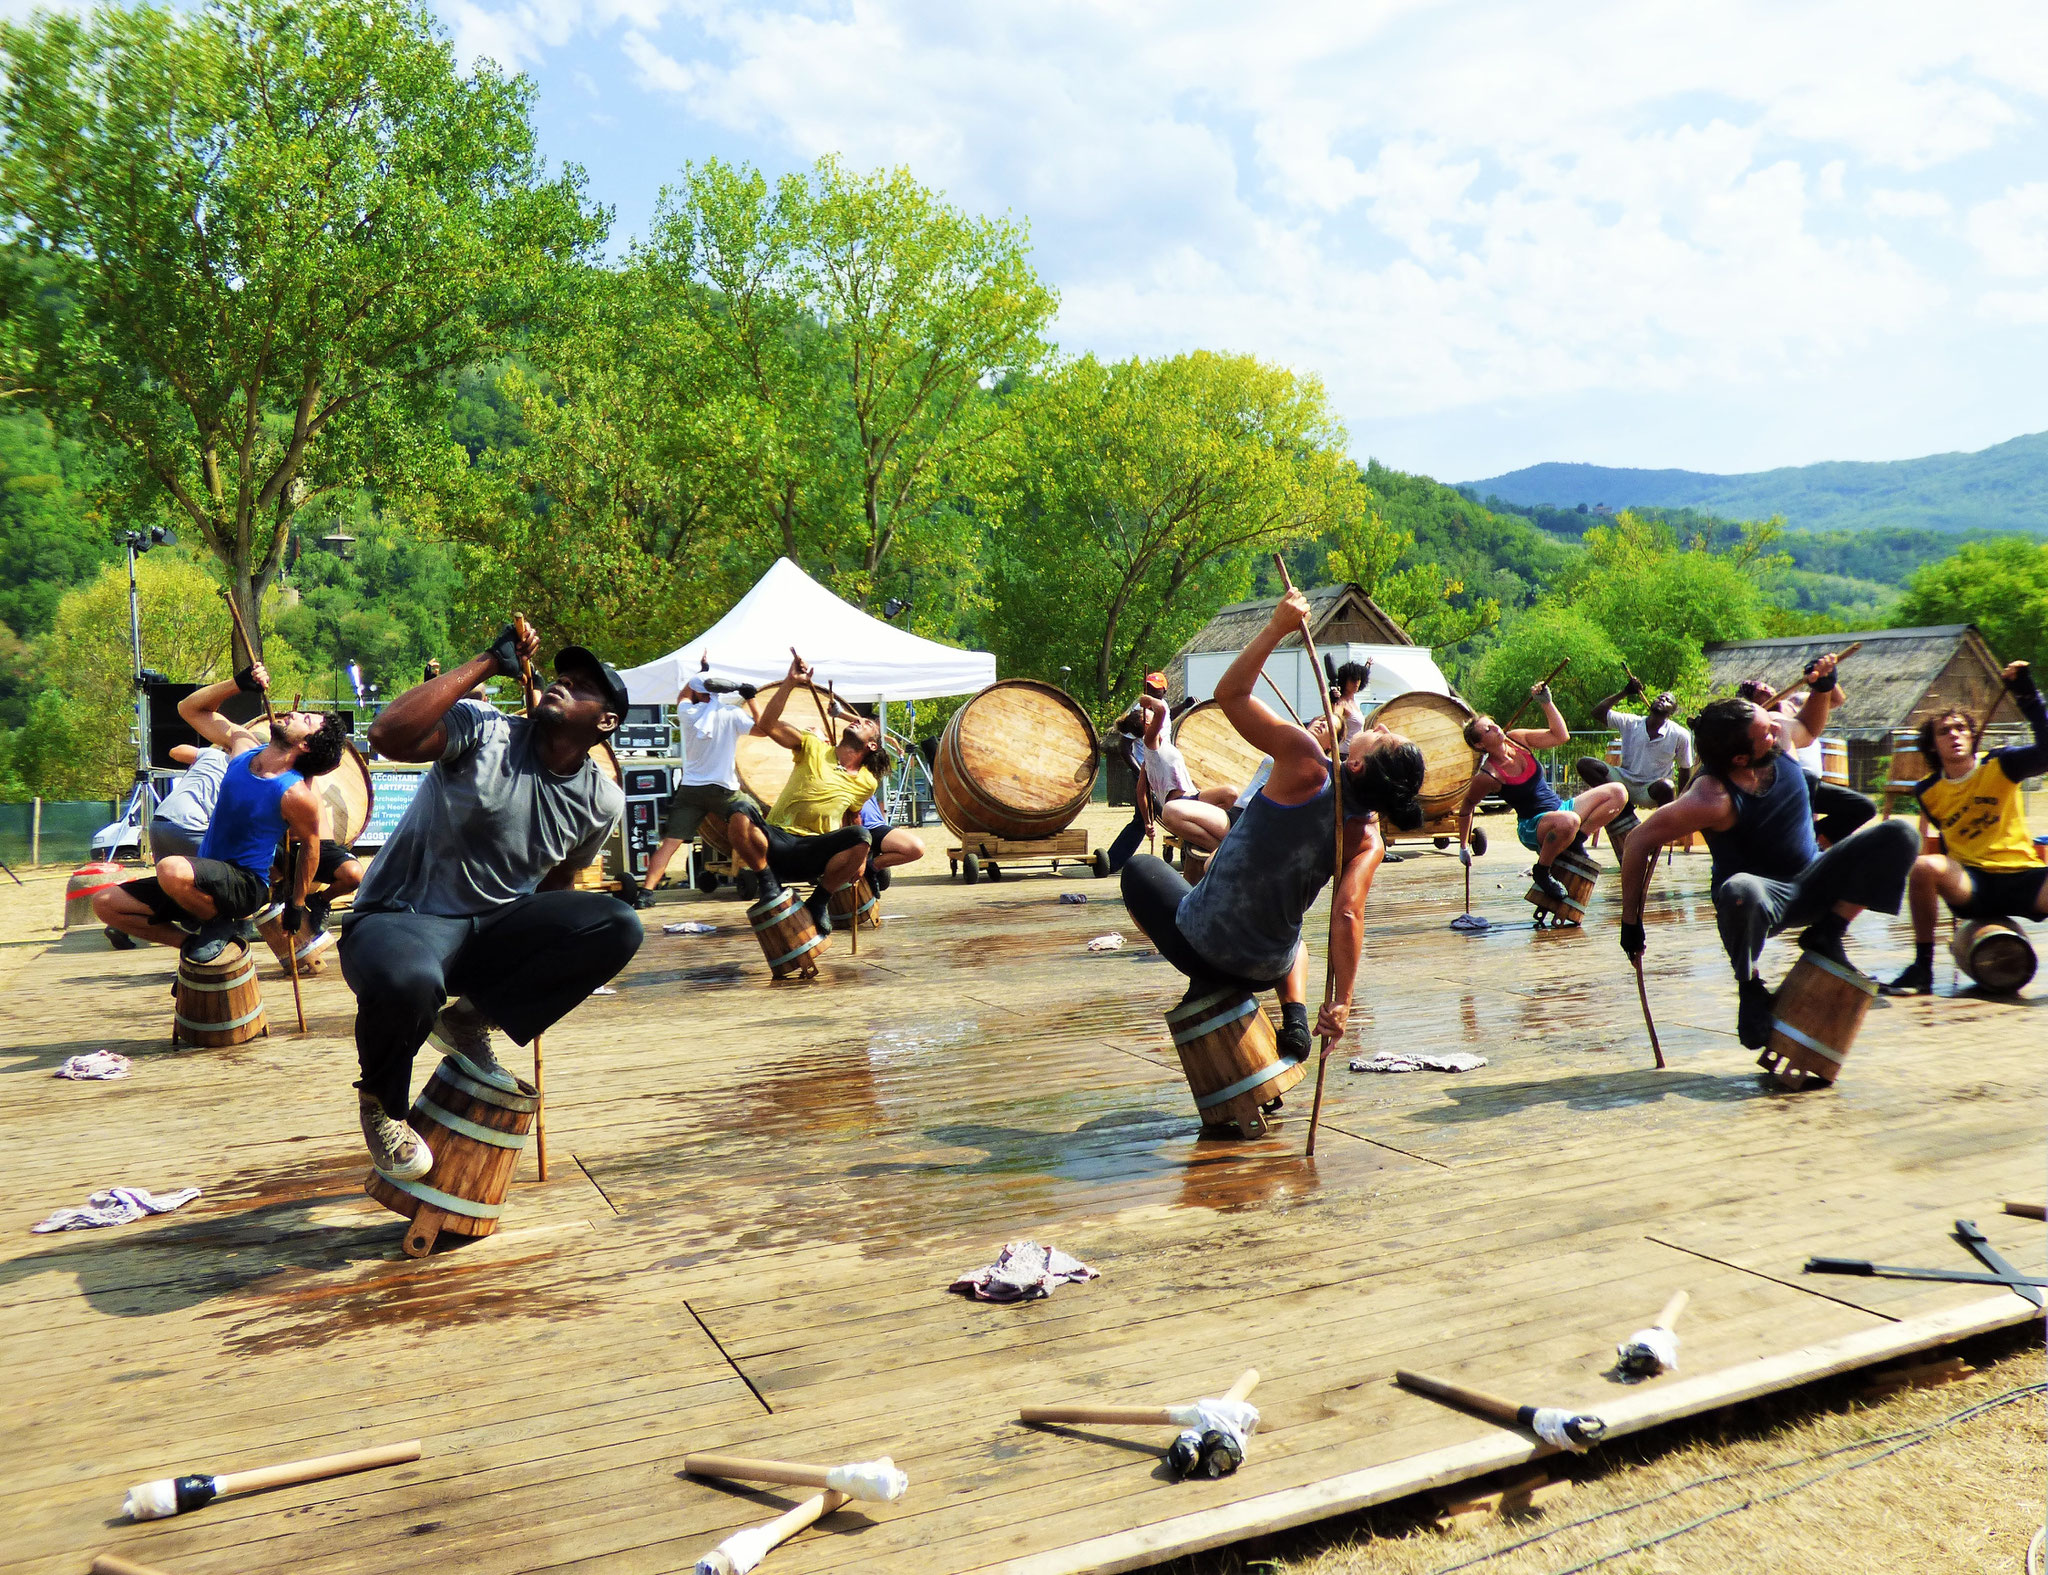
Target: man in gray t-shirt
[
  {"x": 470, "y": 896},
  {"x": 179, "y": 824}
]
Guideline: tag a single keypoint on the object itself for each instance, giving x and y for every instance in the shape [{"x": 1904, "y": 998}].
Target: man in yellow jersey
[{"x": 1977, "y": 855}]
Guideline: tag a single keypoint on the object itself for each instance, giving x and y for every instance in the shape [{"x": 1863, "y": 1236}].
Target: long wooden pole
[
  {"x": 1511, "y": 721},
  {"x": 291, "y": 948},
  {"x": 1841, "y": 656},
  {"x": 1128, "y": 1415},
  {"x": 521, "y": 629},
  {"x": 1315, "y": 1114},
  {"x": 1293, "y": 715},
  {"x": 1643, "y": 994}
]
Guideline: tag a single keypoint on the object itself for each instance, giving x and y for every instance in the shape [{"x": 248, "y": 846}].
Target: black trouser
[
  {"x": 525, "y": 965},
  {"x": 1152, "y": 893},
  {"x": 1869, "y": 871},
  {"x": 1837, "y": 810}
]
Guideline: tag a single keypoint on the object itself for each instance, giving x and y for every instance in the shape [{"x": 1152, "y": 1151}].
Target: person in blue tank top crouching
[
  {"x": 1240, "y": 927},
  {"x": 1752, "y": 803},
  {"x": 199, "y": 903}
]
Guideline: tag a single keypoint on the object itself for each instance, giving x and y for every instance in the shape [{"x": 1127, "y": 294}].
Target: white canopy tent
[{"x": 864, "y": 658}]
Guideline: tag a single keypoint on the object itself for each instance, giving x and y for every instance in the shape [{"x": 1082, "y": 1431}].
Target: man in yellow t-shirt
[{"x": 1977, "y": 853}]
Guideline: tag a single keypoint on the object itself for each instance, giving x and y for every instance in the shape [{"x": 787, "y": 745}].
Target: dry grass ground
[{"x": 1818, "y": 1481}]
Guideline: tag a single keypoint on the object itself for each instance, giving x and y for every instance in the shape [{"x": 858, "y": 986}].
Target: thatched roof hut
[
  {"x": 1339, "y": 615},
  {"x": 1898, "y": 679}
]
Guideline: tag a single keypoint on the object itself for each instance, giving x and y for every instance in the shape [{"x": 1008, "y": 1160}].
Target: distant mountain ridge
[{"x": 2001, "y": 488}]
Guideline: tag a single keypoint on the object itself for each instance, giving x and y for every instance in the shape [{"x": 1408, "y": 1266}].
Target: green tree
[
  {"x": 1661, "y": 604},
  {"x": 1534, "y": 641},
  {"x": 51, "y": 536},
  {"x": 1419, "y": 596},
  {"x": 1145, "y": 491},
  {"x": 271, "y": 230},
  {"x": 2000, "y": 586},
  {"x": 853, "y": 324}
]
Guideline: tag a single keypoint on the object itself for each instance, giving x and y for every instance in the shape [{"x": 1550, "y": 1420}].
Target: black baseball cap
[{"x": 576, "y": 656}]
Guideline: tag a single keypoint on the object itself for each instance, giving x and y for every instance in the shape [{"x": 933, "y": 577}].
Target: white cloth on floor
[
  {"x": 1239, "y": 1418},
  {"x": 1418, "y": 1061},
  {"x": 689, "y": 927},
  {"x": 1553, "y": 1427},
  {"x": 116, "y": 1206},
  {"x": 1022, "y": 1272},
  {"x": 872, "y": 1481},
  {"x": 1106, "y": 943},
  {"x": 1654, "y": 1344},
  {"x": 99, "y": 1067},
  {"x": 604, "y": 989},
  {"x": 743, "y": 1549}
]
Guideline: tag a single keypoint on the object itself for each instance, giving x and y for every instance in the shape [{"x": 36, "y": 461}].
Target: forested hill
[{"x": 2002, "y": 488}]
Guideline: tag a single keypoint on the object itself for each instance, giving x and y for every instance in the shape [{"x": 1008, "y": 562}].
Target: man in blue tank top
[
  {"x": 1750, "y": 800},
  {"x": 1241, "y": 926},
  {"x": 200, "y": 903}
]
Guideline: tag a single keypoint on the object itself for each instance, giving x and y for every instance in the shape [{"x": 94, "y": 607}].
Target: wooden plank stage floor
[{"x": 760, "y": 1194}]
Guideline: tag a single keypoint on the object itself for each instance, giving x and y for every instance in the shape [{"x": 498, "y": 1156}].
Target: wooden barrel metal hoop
[
  {"x": 1230, "y": 1057},
  {"x": 1577, "y": 874},
  {"x": 1818, "y": 1012},
  {"x": 1018, "y": 760},
  {"x": 788, "y": 935},
  {"x": 87, "y": 882},
  {"x": 856, "y": 903},
  {"x": 1214, "y": 752},
  {"x": 219, "y": 1004},
  {"x": 476, "y": 1133}
]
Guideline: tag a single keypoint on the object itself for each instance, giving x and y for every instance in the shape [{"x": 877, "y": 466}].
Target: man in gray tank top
[{"x": 1241, "y": 926}]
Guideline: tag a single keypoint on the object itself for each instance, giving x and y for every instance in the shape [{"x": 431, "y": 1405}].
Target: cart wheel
[
  {"x": 1100, "y": 863},
  {"x": 744, "y": 883},
  {"x": 995, "y": 872},
  {"x": 1478, "y": 839},
  {"x": 970, "y": 869},
  {"x": 1441, "y": 843},
  {"x": 707, "y": 881}
]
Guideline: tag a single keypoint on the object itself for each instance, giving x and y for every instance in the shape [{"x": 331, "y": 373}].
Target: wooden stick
[
  {"x": 114, "y": 1564},
  {"x": 1643, "y": 995},
  {"x": 1315, "y": 1114},
  {"x": 1511, "y": 721},
  {"x": 1668, "y": 1318},
  {"x": 746, "y": 1468},
  {"x": 775, "y": 1532},
  {"x": 521, "y": 629},
  {"x": 1128, "y": 1415},
  {"x": 1841, "y": 656},
  {"x": 317, "y": 1469},
  {"x": 1471, "y": 1399},
  {"x": 291, "y": 942},
  {"x": 824, "y": 719},
  {"x": 1294, "y": 715},
  {"x": 249, "y": 645},
  {"x": 2026, "y": 1209}
]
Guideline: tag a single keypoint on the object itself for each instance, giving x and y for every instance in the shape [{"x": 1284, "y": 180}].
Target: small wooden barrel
[
  {"x": 218, "y": 1003},
  {"x": 1194, "y": 863},
  {"x": 857, "y": 899},
  {"x": 1834, "y": 761},
  {"x": 1435, "y": 724},
  {"x": 475, "y": 1133},
  {"x": 1994, "y": 953},
  {"x": 1817, "y": 1015},
  {"x": 1214, "y": 752},
  {"x": 87, "y": 882},
  {"x": 1018, "y": 759},
  {"x": 1231, "y": 1058},
  {"x": 788, "y": 934},
  {"x": 1576, "y": 873}
]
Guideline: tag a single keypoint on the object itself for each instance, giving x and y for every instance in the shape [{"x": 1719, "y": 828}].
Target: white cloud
[
  {"x": 2011, "y": 232},
  {"x": 1894, "y": 202}
]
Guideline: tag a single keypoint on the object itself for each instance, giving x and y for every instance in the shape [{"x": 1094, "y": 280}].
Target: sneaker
[
  {"x": 1753, "y": 1014},
  {"x": 395, "y": 1149},
  {"x": 465, "y": 1033},
  {"x": 1391, "y": 857},
  {"x": 207, "y": 943},
  {"x": 1824, "y": 943},
  {"x": 120, "y": 940},
  {"x": 1918, "y": 979},
  {"x": 878, "y": 880},
  {"x": 1546, "y": 883},
  {"x": 1295, "y": 1042},
  {"x": 246, "y": 932},
  {"x": 643, "y": 899},
  {"x": 314, "y": 945},
  {"x": 820, "y": 906}
]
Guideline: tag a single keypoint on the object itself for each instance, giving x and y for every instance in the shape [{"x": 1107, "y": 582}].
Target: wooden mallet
[
  {"x": 871, "y": 1481},
  {"x": 1192, "y": 1452},
  {"x": 1562, "y": 1429},
  {"x": 1654, "y": 1350},
  {"x": 175, "y": 1495},
  {"x": 291, "y": 950},
  {"x": 1315, "y": 1114},
  {"x": 743, "y": 1550}
]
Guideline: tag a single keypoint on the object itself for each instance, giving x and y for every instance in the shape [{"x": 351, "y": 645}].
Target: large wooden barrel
[
  {"x": 1215, "y": 753},
  {"x": 86, "y": 882},
  {"x": 1231, "y": 1058},
  {"x": 788, "y": 935},
  {"x": 475, "y": 1133},
  {"x": 1994, "y": 953},
  {"x": 1576, "y": 873},
  {"x": 764, "y": 765},
  {"x": 1018, "y": 760},
  {"x": 219, "y": 1003},
  {"x": 1435, "y": 724},
  {"x": 1818, "y": 1013},
  {"x": 857, "y": 899}
]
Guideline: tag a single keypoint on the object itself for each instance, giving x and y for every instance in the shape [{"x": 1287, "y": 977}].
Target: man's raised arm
[
  {"x": 201, "y": 709},
  {"x": 411, "y": 727}
]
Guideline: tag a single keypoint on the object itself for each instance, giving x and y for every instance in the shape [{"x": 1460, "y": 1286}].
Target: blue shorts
[{"x": 1525, "y": 828}]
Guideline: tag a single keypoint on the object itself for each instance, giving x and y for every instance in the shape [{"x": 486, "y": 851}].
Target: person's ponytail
[{"x": 1388, "y": 784}]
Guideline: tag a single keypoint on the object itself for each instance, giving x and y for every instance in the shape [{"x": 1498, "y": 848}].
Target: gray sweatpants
[{"x": 1868, "y": 869}]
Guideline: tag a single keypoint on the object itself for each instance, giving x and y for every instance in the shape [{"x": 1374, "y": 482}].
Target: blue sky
[{"x": 1722, "y": 236}]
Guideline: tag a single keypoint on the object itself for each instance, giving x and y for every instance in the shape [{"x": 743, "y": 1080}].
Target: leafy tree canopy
[{"x": 2000, "y": 586}]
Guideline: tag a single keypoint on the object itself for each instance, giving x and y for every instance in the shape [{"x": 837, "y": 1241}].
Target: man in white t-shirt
[
  {"x": 1653, "y": 748},
  {"x": 712, "y": 731}
]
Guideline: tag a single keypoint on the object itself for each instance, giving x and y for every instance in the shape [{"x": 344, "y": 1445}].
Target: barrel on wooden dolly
[
  {"x": 1017, "y": 760},
  {"x": 1231, "y": 1058},
  {"x": 1815, "y": 1019},
  {"x": 788, "y": 934},
  {"x": 87, "y": 882},
  {"x": 1994, "y": 953},
  {"x": 857, "y": 899},
  {"x": 1576, "y": 873},
  {"x": 219, "y": 1003},
  {"x": 475, "y": 1133}
]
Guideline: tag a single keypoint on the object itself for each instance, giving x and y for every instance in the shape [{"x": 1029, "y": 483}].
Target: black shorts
[
  {"x": 1233, "y": 813},
  {"x": 236, "y": 892},
  {"x": 2004, "y": 894},
  {"x": 332, "y": 856},
  {"x": 794, "y": 857}
]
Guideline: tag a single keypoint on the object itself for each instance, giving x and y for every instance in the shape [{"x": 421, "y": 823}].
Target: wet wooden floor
[{"x": 759, "y": 1195}]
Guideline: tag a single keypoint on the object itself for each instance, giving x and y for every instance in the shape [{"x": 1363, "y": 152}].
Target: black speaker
[{"x": 167, "y": 729}]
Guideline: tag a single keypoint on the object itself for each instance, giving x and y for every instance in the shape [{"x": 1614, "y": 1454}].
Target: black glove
[
  {"x": 505, "y": 652},
  {"x": 2021, "y": 683},
  {"x": 293, "y": 918},
  {"x": 1822, "y": 685},
  {"x": 1633, "y": 940},
  {"x": 748, "y": 691},
  {"x": 1636, "y": 688},
  {"x": 245, "y": 681}
]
